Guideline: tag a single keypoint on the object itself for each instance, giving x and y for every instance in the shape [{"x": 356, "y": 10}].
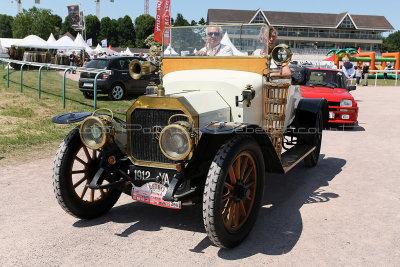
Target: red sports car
[{"x": 331, "y": 85}]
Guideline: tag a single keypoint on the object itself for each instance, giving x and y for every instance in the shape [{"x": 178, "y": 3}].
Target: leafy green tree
[
  {"x": 56, "y": 21},
  {"x": 181, "y": 21},
  {"x": 392, "y": 42},
  {"x": 125, "y": 32},
  {"x": 66, "y": 27},
  {"x": 5, "y": 26},
  {"x": 202, "y": 21},
  {"x": 144, "y": 26},
  {"x": 150, "y": 41},
  {"x": 92, "y": 28},
  {"x": 107, "y": 30},
  {"x": 34, "y": 21},
  {"x": 193, "y": 23}
]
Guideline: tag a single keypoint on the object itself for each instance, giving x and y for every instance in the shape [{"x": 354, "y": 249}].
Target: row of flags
[{"x": 163, "y": 20}]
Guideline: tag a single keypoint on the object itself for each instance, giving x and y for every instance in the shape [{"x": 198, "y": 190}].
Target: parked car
[
  {"x": 331, "y": 85},
  {"x": 119, "y": 83},
  {"x": 208, "y": 134}
]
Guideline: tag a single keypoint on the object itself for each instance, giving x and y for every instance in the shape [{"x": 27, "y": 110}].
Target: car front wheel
[
  {"x": 117, "y": 92},
  {"x": 233, "y": 191}
]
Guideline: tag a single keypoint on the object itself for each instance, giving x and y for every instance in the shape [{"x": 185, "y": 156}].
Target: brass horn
[{"x": 137, "y": 69}]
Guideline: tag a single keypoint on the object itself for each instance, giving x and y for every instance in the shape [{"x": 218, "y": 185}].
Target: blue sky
[{"x": 194, "y": 10}]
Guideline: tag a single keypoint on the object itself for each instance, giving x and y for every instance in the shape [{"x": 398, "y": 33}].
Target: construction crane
[
  {"x": 19, "y": 4},
  {"x": 146, "y": 6}
]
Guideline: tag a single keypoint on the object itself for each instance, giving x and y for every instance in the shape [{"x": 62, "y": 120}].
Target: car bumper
[
  {"x": 343, "y": 114},
  {"x": 87, "y": 85}
]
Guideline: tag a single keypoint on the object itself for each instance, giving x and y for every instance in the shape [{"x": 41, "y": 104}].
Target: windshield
[
  {"x": 326, "y": 78},
  {"x": 97, "y": 64},
  {"x": 210, "y": 40}
]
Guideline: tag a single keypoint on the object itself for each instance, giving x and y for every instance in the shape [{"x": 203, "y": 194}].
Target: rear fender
[{"x": 308, "y": 112}]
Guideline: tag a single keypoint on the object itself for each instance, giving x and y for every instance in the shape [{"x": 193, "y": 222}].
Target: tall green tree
[
  {"x": 126, "y": 32},
  {"x": 56, "y": 21},
  {"x": 392, "y": 42},
  {"x": 92, "y": 28},
  {"x": 108, "y": 30},
  {"x": 181, "y": 21},
  {"x": 34, "y": 21},
  {"x": 144, "y": 26},
  {"x": 202, "y": 21},
  {"x": 66, "y": 27},
  {"x": 5, "y": 26}
]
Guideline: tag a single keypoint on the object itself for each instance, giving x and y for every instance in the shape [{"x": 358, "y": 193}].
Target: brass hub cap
[{"x": 239, "y": 191}]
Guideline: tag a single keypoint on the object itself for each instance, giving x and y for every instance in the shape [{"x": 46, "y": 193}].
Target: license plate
[
  {"x": 152, "y": 193},
  {"x": 331, "y": 115},
  {"x": 345, "y": 116},
  {"x": 88, "y": 85}
]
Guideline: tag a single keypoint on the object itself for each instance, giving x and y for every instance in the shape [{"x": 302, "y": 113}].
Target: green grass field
[{"x": 26, "y": 119}]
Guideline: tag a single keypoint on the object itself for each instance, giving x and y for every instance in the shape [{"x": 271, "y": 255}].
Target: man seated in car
[{"x": 213, "y": 47}]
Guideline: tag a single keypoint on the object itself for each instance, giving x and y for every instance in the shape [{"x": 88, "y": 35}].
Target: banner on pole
[
  {"x": 73, "y": 14},
  {"x": 104, "y": 43},
  {"x": 89, "y": 42},
  {"x": 162, "y": 21}
]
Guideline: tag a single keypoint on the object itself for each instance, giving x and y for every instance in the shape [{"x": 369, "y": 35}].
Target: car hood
[{"x": 330, "y": 94}]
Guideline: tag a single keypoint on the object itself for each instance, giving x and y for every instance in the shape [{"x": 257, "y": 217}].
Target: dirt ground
[{"x": 343, "y": 212}]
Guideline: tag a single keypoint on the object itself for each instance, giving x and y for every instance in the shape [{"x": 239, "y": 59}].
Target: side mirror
[{"x": 352, "y": 88}]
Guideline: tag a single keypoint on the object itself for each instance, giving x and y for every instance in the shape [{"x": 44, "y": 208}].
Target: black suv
[{"x": 119, "y": 83}]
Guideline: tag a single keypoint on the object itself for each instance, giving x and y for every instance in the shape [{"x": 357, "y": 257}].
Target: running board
[{"x": 293, "y": 156}]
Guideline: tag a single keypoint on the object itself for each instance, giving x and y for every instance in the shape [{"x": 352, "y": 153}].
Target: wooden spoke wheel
[
  {"x": 239, "y": 191},
  {"x": 233, "y": 191},
  {"x": 74, "y": 168}
]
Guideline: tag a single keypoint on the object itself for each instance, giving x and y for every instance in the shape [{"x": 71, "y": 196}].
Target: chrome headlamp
[
  {"x": 176, "y": 140},
  {"x": 96, "y": 131},
  {"x": 346, "y": 103}
]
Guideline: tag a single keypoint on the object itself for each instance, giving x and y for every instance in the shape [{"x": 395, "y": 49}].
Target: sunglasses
[{"x": 211, "y": 33}]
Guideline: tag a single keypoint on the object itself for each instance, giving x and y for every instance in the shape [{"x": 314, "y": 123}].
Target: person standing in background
[
  {"x": 365, "y": 73},
  {"x": 358, "y": 74}
]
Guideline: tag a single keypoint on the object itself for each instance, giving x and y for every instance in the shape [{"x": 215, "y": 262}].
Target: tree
[
  {"x": 126, "y": 32},
  {"x": 392, "y": 42},
  {"x": 92, "y": 28},
  {"x": 202, "y": 21},
  {"x": 66, "y": 27},
  {"x": 181, "y": 21},
  {"x": 56, "y": 21},
  {"x": 144, "y": 26},
  {"x": 150, "y": 41},
  {"x": 5, "y": 26},
  {"x": 193, "y": 23},
  {"x": 40, "y": 22},
  {"x": 108, "y": 30}
]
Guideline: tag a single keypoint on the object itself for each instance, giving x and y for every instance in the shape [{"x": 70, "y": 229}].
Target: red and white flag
[{"x": 162, "y": 21}]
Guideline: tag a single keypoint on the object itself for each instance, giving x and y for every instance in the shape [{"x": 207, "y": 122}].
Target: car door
[{"x": 122, "y": 65}]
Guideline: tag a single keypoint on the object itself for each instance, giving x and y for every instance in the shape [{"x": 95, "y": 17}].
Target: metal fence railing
[
  {"x": 396, "y": 72},
  {"x": 55, "y": 67}
]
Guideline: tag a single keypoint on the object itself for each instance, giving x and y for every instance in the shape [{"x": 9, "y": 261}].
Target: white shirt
[{"x": 219, "y": 50}]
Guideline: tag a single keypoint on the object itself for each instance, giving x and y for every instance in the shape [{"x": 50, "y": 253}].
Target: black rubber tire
[
  {"x": 213, "y": 191},
  {"x": 63, "y": 184},
  {"x": 88, "y": 95},
  {"x": 315, "y": 139},
  {"x": 117, "y": 92}
]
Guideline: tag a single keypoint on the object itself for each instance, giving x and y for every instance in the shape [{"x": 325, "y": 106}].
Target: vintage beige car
[{"x": 208, "y": 133}]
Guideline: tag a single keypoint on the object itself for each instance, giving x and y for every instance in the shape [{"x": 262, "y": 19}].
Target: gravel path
[{"x": 343, "y": 212}]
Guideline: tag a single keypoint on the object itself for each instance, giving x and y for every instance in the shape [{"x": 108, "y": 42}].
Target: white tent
[
  {"x": 1, "y": 48},
  {"x": 8, "y": 42},
  {"x": 65, "y": 43},
  {"x": 227, "y": 41},
  {"x": 32, "y": 41},
  {"x": 100, "y": 49},
  {"x": 127, "y": 52},
  {"x": 51, "y": 39},
  {"x": 169, "y": 51},
  {"x": 79, "y": 41}
]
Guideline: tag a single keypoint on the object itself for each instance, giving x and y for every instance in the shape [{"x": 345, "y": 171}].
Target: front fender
[
  {"x": 70, "y": 117},
  {"x": 308, "y": 112}
]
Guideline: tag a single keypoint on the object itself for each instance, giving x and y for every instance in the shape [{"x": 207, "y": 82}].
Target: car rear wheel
[
  {"x": 117, "y": 92},
  {"x": 233, "y": 191}
]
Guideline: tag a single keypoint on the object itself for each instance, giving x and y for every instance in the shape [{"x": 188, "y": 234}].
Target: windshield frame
[{"x": 224, "y": 26}]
